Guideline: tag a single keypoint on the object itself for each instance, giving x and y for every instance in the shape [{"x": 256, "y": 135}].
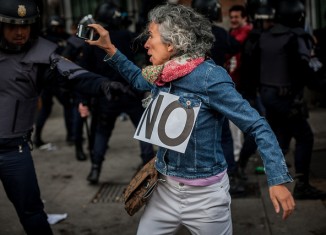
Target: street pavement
[{"x": 98, "y": 210}]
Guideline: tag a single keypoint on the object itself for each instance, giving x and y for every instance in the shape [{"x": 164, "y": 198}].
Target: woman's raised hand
[{"x": 104, "y": 40}]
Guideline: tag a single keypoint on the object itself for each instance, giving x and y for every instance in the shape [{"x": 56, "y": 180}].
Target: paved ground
[{"x": 96, "y": 210}]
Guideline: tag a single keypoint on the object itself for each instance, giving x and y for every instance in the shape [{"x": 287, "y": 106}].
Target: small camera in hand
[{"x": 85, "y": 32}]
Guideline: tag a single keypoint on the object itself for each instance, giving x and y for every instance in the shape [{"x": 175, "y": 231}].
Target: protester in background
[
  {"x": 178, "y": 41},
  {"x": 239, "y": 29}
]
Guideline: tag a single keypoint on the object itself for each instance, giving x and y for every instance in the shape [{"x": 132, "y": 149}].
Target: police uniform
[
  {"x": 284, "y": 72},
  {"x": 22, "y": 67}
]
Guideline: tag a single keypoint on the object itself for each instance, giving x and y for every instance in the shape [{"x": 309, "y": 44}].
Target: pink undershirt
[{"x": 200, "y": 182}]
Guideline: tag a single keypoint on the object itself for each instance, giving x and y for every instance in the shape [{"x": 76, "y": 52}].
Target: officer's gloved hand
[{"x": 113, "y": 89}]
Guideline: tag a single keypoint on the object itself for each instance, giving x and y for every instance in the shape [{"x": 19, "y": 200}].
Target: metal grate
[{"x": 109, "y": 192}]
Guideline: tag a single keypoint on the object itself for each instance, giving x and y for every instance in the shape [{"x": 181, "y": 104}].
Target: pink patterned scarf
[{"x": 171, "y": 70}]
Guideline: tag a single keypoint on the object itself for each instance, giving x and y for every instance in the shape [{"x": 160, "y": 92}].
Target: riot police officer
[
  {"x": 25, "y": 59},
  {"x": 285, "y": 51}
]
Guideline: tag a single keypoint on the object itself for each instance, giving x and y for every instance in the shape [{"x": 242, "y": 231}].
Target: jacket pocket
[{"x": 189, "y": 101}]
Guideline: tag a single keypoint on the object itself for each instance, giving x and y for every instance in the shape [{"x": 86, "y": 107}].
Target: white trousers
[
  {"x": 203, "y": 210},
  {"x": 237, "y": 137}
]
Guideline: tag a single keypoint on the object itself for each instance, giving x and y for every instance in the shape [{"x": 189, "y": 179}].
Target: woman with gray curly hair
[
  {"x": 191, "y": 97},
  {"x": 192, "y": 35}
]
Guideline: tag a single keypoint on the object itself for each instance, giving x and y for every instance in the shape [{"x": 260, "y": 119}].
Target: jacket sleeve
[
  {"x": 129, "y": 71},
  {"x": 68, "y": 75},
  {"x": 224, "y": 98}
]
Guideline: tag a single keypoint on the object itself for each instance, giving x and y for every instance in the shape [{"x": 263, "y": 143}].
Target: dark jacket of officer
[{"x": 30, "y": 70}]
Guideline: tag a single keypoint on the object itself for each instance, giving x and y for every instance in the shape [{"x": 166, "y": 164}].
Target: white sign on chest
[{"x": 167, "y": 123}]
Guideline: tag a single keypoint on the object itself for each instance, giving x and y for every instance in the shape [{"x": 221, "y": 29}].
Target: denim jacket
[{"x": 209, "y": 86}]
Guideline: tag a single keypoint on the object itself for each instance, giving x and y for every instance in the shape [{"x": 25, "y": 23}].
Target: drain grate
[{"x": 109, "y": 192}]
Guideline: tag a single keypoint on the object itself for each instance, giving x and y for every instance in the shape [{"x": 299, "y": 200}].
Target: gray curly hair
[{"x": 188, "y": 31}]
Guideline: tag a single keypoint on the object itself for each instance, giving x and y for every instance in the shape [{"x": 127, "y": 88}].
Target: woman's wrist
[{"x": 111, "y": 50}]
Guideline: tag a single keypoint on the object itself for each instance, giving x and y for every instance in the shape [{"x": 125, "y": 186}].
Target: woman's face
[
  {"x": 158, "y": 51},
  {"x": 16, "y": 34}
]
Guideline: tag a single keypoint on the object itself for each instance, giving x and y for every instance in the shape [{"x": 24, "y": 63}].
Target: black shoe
[
  {"x": 304, "y": 191},
  {"x": 80, "y": 155},
  {"x": 94, "y": 175}
]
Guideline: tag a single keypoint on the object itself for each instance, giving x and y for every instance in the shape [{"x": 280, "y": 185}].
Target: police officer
[
  {"x": 24, "y": 60},
  {"x": 284, "y": 72},
  {"x": 104, "y": 112}
]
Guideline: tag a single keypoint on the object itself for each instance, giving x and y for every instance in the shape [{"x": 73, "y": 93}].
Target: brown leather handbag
[{"x": 141, "y": 187}]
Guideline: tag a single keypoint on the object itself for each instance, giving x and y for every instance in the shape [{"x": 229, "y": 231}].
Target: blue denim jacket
[{"x": 211, "y": 87}]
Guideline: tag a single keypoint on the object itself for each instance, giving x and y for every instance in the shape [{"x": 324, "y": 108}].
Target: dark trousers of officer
[
  {"x": 77, "y": 125},
  {"x": 289, "y": 121},
  {"x": 105, "y": 118},
  {"x": 47, "y": 102},
  {"x": 18, "y": 177}
]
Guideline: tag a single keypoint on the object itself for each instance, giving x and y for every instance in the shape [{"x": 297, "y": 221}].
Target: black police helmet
[
  {"x": 261, "y": 9},
  {"x": 108, "y": 14},
  {"x": 209, "y": 8},
  {"x": 56, "y": 21},
  {"x": 264, "y": 13},
  {"x": 290, "y": 13}
]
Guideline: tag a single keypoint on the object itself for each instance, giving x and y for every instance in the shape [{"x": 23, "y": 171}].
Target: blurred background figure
[
  {"x": 55, "y": 32},
  {"x": 239, "y": 29},
  {"x": 104, "y": 112},
  {"x": 262, "y": 15},
  {"x": 224, "y": 45},
  {"x": 284, "y": 71},
  {"x": 72, "y": 51},
  {"x": 320, "y": 53}
]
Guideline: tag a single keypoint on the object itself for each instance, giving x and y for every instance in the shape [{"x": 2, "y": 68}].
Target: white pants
[
  {"x": 237, "y": 137},
  {"x": 203, "y": 210}
]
